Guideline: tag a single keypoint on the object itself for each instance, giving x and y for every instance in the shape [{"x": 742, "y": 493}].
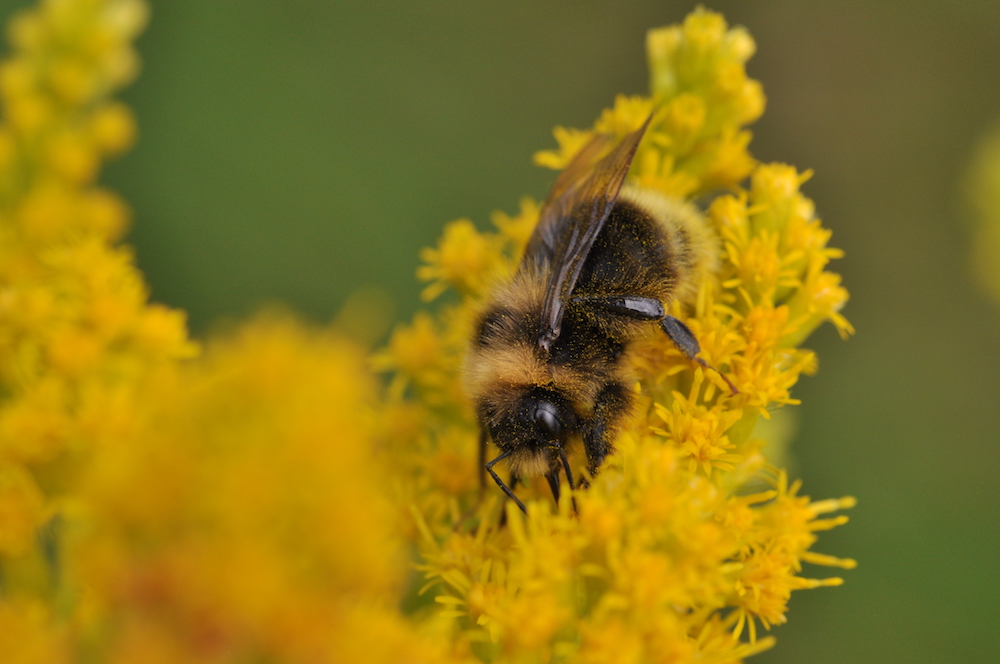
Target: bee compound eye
[{"x": 547, "y": 420}]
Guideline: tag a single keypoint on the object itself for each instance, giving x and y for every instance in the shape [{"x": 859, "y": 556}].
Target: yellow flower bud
[{"x": 112, "y": 128}]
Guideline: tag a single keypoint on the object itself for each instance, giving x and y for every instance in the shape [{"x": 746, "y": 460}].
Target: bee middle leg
[
  {"x": 500, "y": 483},
  {"x": 648, "y": 308},
  {"x": 629, "y": 306},
  {"x": 610, "y": 408},
  {"x": 686, "y": 343}
]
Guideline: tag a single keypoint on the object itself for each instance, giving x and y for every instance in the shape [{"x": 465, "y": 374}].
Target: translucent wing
[{"x": 574, "y": 213}]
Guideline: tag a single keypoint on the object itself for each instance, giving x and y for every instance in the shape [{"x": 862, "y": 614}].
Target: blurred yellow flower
[
  {"x": 982, "y": 188},
  {"x": 76, "y": 332},
  {"x": 245, "y": 519},
  {"x": 154, "y": 508}
]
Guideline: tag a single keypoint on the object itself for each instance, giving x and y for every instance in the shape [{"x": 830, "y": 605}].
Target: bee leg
[
  {"x": 684, "y": 339},
  {"x": 647, "y": 308},
  {"x": 566, "y": 468},
  {"x": 611, "y": 406},
  {"x": 682, "y": 336},
  {"x": 515, "y": 479},
  {"x": 569, "y": 476},
  {"x": 630, "y": 306},
  {"x": 500, "y": 482},
  {"x": 553, "y": 477}
]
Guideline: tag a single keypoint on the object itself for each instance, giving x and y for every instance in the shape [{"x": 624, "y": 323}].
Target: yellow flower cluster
[
  {"x": 263, "y": 503},
  {"x": 243, "y": 519},
  {"x": 154, "y": 507},
  {"x": 76, "y": 332},
  {"x": 699, "y": 84},
  {"x": 673, "y": 555},
  {"x": 983, "y": 192},
  {"x": 239, "y": 517}
]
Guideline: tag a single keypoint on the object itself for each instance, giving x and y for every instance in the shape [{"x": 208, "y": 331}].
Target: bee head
[{"x": 539, "y": 423}]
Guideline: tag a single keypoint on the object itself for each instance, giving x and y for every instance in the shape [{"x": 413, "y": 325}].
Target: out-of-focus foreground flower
[
  {"x": 77, "y": 337},
  {"x": 982, "y": 187},
  {"x": 154, "y": 508},
  {"x": 262, "y": 501}
]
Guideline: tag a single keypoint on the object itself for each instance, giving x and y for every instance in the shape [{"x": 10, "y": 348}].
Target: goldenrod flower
[
  {"x": 245, "y": 519},
  {"x": 697, "y": 76},
  {"x": 76, "y": 332},
  {"x": 669, "y": 556},
  {"x": 462, "y": 260},
  {"x": 153, "y": 508},
  {"x": 263, "y": 503}
]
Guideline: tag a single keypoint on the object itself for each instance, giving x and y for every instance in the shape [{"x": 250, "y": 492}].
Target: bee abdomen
[{"x": 691, "y": 246}]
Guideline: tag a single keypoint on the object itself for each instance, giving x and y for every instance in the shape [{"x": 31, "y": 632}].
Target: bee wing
[{"x": 574, "y": 213}]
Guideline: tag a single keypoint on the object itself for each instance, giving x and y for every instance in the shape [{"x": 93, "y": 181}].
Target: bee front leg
[
  {"x": 612, "y": 405},
  {"x": 500, "y": 482}
]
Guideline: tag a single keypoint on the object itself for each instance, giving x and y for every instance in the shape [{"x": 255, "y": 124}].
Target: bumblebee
[{"x": 547, "y": 363}]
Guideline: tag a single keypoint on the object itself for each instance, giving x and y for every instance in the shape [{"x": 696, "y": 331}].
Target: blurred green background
[{"x": 299, "y": 151}]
